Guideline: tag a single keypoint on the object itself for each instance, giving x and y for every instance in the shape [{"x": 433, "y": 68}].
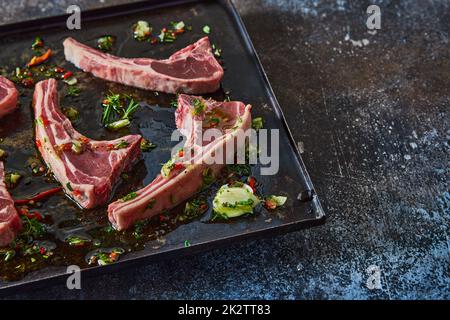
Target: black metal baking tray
[{"x": 244, "y": 80}]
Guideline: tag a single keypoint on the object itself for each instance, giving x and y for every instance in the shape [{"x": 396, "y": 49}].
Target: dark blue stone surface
[{"x": 371, "y": 113}]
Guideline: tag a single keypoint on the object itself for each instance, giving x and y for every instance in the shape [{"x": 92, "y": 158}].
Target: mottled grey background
[{"x": 371, "y": 114}]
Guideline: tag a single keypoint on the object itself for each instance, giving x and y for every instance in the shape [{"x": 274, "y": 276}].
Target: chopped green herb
[
  {"x": 199, "y": 107},
  {"x": 8, "y": 255},
  {"x": 194, "y": 208},
  {"x": 77, "y": 241},
  {"x": 105, "y": 43},
  {"x": 177, "y": 25},
  {"x": 37, "y": 44},
  {"x": 167, "y": 168},
  {"x": 139, "y": 228},
  {"x": 216, "y": 51},
  {"x": 32, "y": 228},
  {"x": 206, "y": 29},
  {"x": 69, "y": 186},
  {"x": 146, "y": 145},
  {"x": 122, "y": 144},
  {"x": 257, "y": 123},
  {"x": 187, "y": 243},
  {"x": 12, "y": 179},
  {"x": 239, "y": 169},
  {"x": 71, "y": 113},
  {"x": 115, "y": 116},
  {"x": 77, "y": 147},
  {"x": 151, "y": 203},
  {"x": 130, "y": 196},
  {"x": 73, "y": 91},
  {"x": 109, "y": 228},
  {"x": 166, "y": 36},
  {"x": 174, "y": 104},
  {"x": 104, "y": 256}
]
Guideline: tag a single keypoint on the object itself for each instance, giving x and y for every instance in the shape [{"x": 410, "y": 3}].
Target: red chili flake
[
  {"x": 154, "y": 41},
  {"x": 110, "y": 147},
  {"x": 59, "y": 70},
  {"x": 113, "y": 256},
  {"x": 84, "y": 140},
  {"x": 179, "y": 31},
  {"x": 38, "y": 143},
  {"x": 37, "y": 216},
  {"x": 68, "y": 74},
  {"x": 162, "y": 217},
  {"x": 270, "y": 204},
  {"x": 178, "y": 166},
  {"x": 28, "y": 82},
  {"x": 105, "y": 102},
  {"x": 164, "y": 30},
  {"x": 45, "y": 121},
  {"x": 251, "y": 183},
  {"x": 31, "y": 215},
  {"x": 181, "y": 153},
  {"x": 42, "y": 250},
  {"x": 76, "y": 193},
  {"x": 66, "y": 147}
]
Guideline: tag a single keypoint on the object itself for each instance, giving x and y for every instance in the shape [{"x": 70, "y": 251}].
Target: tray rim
[{"x": 44, "y": 23}]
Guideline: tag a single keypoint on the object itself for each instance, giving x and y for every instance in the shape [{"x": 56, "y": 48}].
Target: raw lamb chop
[
  {"x": 8, "y": 97},
  {"x": 87, "y": 169},
  {"x": 184, "y": 175},
  {"x": 10, "y": 223},
  {"x": 190, "y": 70}
]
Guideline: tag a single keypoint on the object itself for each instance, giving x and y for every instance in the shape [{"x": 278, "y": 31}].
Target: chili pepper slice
[
  {"x": 39, "y": 196},
  {"x": 38, "y": 60}
]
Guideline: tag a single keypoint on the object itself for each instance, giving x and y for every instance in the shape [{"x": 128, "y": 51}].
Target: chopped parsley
[
  {"x": 167, "y": 168},
  {"x": 122, "y": 144},
  {"x": 206, "y": 29},
  {"x": 69, "y": 186},
  {"x": 32, "y": 228},
  {"x": 12, "y": 179},
  {"x": 73, "y": 91},
  {"x": 199, "y": 107},
  {"x": 257, "y": 123},
  {"x": 239, "y": 169},
  {"x": 130, "y": 196},
  {"x": 77, "y": 241},
  {"x": 103, "y": 256},
  {"x": 174, "y": 104},
  {"x": 216, "y": 51}
]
